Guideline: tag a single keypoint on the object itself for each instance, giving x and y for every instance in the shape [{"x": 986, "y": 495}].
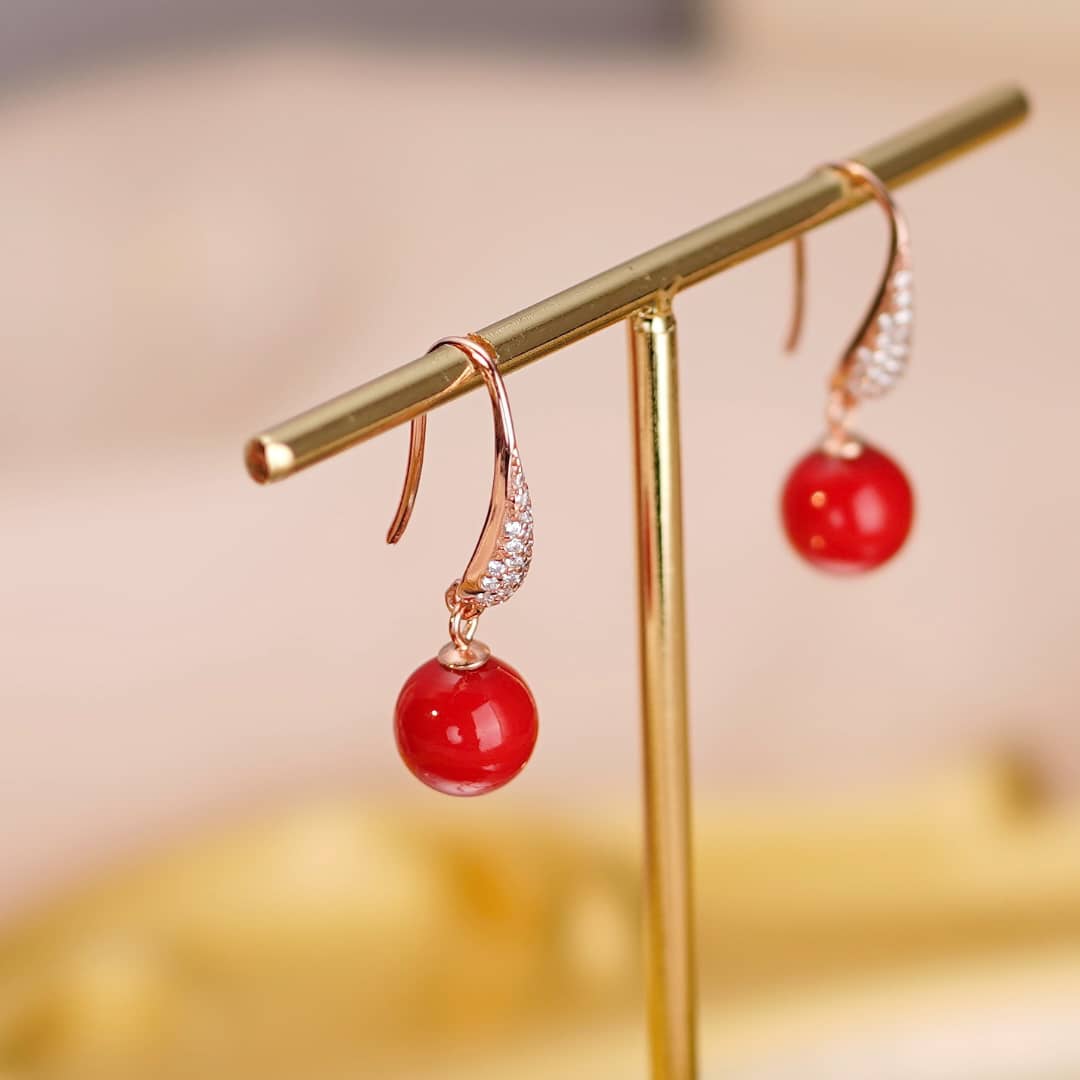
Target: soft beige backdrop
[{"x": 196, "y": 248}]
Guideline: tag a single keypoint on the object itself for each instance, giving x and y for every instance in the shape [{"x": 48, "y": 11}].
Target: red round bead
[
  {"x": 847, "y": 514},
  {"x": 465, "y": 732}
]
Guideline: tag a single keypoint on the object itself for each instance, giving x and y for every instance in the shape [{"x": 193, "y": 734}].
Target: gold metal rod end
[{"x": 268, "y": 460}]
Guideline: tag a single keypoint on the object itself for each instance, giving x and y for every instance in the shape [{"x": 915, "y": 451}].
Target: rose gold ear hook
[
  {"x": 503, "y": 553},
  {"x": 877, "y": 354},
  {"x": 403, "y": 514},
  {"x": 483, "y": 358}
]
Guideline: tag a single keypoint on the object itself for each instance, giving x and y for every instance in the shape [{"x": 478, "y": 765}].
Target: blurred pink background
[{"x": 199, "y": 244}]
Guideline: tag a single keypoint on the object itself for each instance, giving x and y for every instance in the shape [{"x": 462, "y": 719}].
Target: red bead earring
[
  {"x": 847, "y": 507},
  {"x": 466, "y": 722}
]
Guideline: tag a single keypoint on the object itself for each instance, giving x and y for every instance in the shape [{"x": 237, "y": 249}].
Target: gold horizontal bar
[{"x": 607, "y": 298}]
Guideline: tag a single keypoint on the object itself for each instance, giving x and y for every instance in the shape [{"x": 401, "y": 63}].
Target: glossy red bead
[
  {"x": 465, "y": 732},
  {"x": 847, "y": 515}
]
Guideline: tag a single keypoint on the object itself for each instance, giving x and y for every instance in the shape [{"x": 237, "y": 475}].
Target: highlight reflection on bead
[{"x": 465, "y": 732}]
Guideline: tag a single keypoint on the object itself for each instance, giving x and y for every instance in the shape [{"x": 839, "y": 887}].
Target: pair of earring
[{"x": 466, "y": 722}]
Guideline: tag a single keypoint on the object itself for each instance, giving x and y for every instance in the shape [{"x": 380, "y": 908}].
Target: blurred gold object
[
  {"x": 340, "y": 941},
  {"x": 642, "y": 290}
]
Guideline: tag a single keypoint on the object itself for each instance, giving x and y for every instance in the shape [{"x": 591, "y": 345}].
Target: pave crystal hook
[
  {"x": 503, "y": 553},
  {"x": 877, "y": 355}
]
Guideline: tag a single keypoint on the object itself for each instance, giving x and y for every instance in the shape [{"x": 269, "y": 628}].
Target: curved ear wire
[
  {"x": 877, "y": 353},
  {"x": 798, "y": 306},
  {"x": 483, "y": 359},
  {"x": 503, "y": 552},
  {"x": 403, "y": 514}
]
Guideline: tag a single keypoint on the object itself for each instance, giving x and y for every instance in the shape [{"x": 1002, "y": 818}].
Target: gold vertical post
[{"x": 669, "y": 922}]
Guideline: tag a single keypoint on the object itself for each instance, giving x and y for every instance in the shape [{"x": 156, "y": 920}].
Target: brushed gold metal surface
[
  {"x": 432, "y": 380},
  {"x": 668, "y": 896}
]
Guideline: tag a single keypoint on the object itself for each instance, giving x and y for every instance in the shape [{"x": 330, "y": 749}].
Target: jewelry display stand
[{"x": 641, "y": 291}]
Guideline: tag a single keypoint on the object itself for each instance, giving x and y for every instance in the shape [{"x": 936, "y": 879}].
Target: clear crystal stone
[
  {"x": 514, "y": 547},
  {"x": 903, "y": 318},
  {"x": 902, "y": 279},
  {"x": 488, "y": 584},
  {"x": 902, "y": 298},
  {"x": 512, "y": 528},
  {"x": 495, "y": 568},
  {"x": 885, "y": 321}
]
